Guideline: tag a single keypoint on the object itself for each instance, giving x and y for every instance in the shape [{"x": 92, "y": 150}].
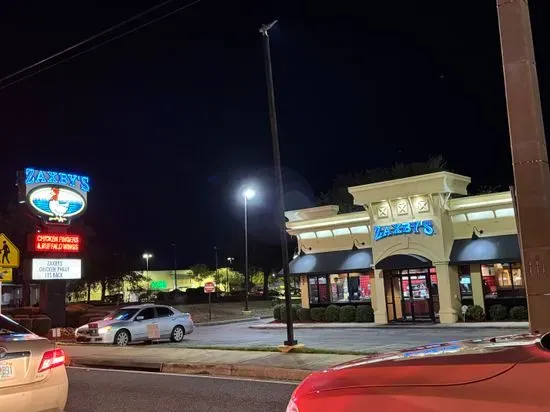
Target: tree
[
  {"x": 340, "y": 196},
  {"x": 201, "y": 271}
]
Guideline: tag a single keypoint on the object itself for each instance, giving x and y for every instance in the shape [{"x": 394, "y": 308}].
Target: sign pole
[{"x": 209, "y": 307}]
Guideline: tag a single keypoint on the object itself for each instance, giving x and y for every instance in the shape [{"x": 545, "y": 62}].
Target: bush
[
  {"x": 519, "y": 313},
  {"x": 294, "y": 312},
  {"x": 498, "y": 312},
  {"x": 304, "y": 314},
  {"x": 25, "y": 322},
  {"x": 41, "y": 326},
  {"x": 364, "y": 313},
  {"x": 317, "y": 314},
  {"x": 348, "y": 314},
  {"x": 277, "y": 311},
  {"x": 72, "y": 318},
  {"x": 475, "y": 313},
  {"x": 332, "y": 313}
]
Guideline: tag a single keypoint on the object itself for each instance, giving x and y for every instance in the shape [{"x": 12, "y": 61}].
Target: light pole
[
  {"x": 247, "y": 195},
  {"x": 278, "y": 181},
  {"x": 147, "y": 256},
  {"x": 216, "y": 277},
  {"x": 175, "y": 266},
  {"x": 230, "y": 260}
]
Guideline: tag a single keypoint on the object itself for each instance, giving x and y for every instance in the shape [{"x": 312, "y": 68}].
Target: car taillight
[{"x": 51, "y": 359}]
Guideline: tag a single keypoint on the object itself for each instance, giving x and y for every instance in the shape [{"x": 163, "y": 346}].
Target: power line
[{"x": 75, "y": 46}]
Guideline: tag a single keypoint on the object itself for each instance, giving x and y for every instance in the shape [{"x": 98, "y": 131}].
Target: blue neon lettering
[
  {"x": 85, "y": 183},
  {"x": 52, "y": 177},
  {"x": 382, "y": 232},
  {"x": 29, "y": 176},
  {"x": 40, "y": 178},
  {"x": 72, "y": 180},
  {"x": 34, "y": 176},
  {"x": 428, "y": 227}
]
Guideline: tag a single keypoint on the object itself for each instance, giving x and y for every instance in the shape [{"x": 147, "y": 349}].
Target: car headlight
[
  {"x": 104, "y": 330},
  {"x": 292, "y": 407}
]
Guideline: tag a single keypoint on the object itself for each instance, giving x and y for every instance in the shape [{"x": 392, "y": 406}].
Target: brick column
[{"x": 477, "y": 285}]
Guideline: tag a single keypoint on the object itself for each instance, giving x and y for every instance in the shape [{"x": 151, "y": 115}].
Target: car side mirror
[
  {"x": 545, "y": 341},
  {"x": 139, "y": 318}
]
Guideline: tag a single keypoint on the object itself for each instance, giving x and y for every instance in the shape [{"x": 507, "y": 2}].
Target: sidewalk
[
  {"x": 262, "y": 365},
  {"x": 337, "y": 325}
]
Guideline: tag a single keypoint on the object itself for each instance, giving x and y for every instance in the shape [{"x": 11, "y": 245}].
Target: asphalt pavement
[
  {"x": 94, "y": 390},
  {"x": 366, "y": 339}
]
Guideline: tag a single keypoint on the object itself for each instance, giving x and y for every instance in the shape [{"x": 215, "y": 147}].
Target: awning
[
  {"x": 404, "y": 262},
  {"x": 342, "y": 261},
  {"x": 491, "y": 249}
]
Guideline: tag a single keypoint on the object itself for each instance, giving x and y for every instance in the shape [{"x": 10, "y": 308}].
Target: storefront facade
[{"x": 420, "y": 250}]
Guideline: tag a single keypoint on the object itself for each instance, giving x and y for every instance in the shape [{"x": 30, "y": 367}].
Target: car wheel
[
  {"x": 177, "y": 334},
  {"x": 122, "y": 338}
]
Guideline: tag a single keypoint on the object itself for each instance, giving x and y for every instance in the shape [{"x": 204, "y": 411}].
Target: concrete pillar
[
  {"x": 449, "y": 292},
  {"x": 477, "y": 286},
  {"x": 304, "y": 291},
  {"x": 380, "y": 310},
  {"x": 372, "y": 283}
]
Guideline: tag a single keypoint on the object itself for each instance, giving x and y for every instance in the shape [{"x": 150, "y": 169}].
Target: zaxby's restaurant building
[{"x": 419, "y": 251}]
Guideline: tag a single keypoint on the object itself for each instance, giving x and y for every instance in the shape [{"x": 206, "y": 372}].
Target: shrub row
[
  {"x": 496, "y": 313},
  {"x": 331, "y": 313}
]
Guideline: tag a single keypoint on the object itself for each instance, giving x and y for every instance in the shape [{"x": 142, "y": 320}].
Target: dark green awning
[{"x": 490, "y": 249}]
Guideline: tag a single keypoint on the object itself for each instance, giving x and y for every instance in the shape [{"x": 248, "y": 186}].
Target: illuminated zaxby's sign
[
  {"x": 51, "y": 242},
  {"x": 407, "y": 228},
  {"x": 56, "y": 269},
  {"x": 56, "y": 197}
]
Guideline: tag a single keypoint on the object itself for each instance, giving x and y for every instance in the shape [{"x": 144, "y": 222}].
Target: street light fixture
[
  {"x": 247, "y": 195},
  {"x": 264, "y": 30},
  {"x": 147, "y": 256},
  {"x": 230, "y": 260}
]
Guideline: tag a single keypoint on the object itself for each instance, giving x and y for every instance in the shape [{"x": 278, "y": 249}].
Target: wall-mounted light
[
  {"x": 476, "y": 233},
  {"x": 355, "y": 242}
]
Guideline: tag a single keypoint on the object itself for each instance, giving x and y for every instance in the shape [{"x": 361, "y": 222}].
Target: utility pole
[
  {"x": 529, "y": 156},
  {"x": 175, "y": 266},
  {"x": 264, "y": 30}
]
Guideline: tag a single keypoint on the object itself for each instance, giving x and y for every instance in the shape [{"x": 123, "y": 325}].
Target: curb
[
  {"x": 243, "y": 371},
  {"x": 371, "y": 326},
  {"x": 226, "y": 322}
]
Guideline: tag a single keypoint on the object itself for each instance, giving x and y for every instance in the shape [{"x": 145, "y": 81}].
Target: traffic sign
[
  {"x": 6, "y": 275},
  {"x": 9, "y": 254},
  {"x": 209, "y": 287}
]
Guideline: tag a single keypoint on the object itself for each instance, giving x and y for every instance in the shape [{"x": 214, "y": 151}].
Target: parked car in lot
[
  {"x": 500, "y": 374},
  {"x": 32, "y": 371},
  {"x": 135, "y": 324}
]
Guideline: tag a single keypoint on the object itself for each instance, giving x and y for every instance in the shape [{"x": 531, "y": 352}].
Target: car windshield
[
  {"x": 9, "y": 327},
  {"x": 122, "y": 314}
]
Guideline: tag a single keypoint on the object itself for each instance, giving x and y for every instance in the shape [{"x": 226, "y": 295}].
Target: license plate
[{"x": 6, "y": 370}]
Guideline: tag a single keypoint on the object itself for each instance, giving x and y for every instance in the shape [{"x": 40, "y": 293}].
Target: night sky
[{"x": 170, "y": 121}]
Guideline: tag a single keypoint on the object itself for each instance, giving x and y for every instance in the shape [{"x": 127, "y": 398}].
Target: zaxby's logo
[
  {"x": 57, "y": 203},
  {"x": 54, "y": 196}
]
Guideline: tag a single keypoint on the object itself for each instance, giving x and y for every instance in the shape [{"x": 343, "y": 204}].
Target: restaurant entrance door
[{"x": 411, "y": 295}]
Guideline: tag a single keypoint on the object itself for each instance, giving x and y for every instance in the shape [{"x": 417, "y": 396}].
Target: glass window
[
  {"x": 148, "y": 313},
  {"x": 10, "y": 327},
  {"x": 164, "y": 312},
  {"x": 339, "y": 288},
  {"x": 359, "y": 287},
  {"x": 503, "y": 280},
  {"x": 122, "y": 314},
  {"x": 465, "y": 281},
  {"x": 318, "y": 289}
]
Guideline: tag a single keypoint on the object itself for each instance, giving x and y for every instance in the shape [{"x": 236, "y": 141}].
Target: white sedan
[
  {"x": 137, "y": 324},
  {"x": 32, "y": 371}
]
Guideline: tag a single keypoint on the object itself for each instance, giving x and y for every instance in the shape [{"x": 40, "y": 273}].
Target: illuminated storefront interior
[{"x": 420, "y": 249}]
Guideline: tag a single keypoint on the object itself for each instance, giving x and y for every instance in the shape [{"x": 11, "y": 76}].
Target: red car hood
[{"x": 451, "y": 363}]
